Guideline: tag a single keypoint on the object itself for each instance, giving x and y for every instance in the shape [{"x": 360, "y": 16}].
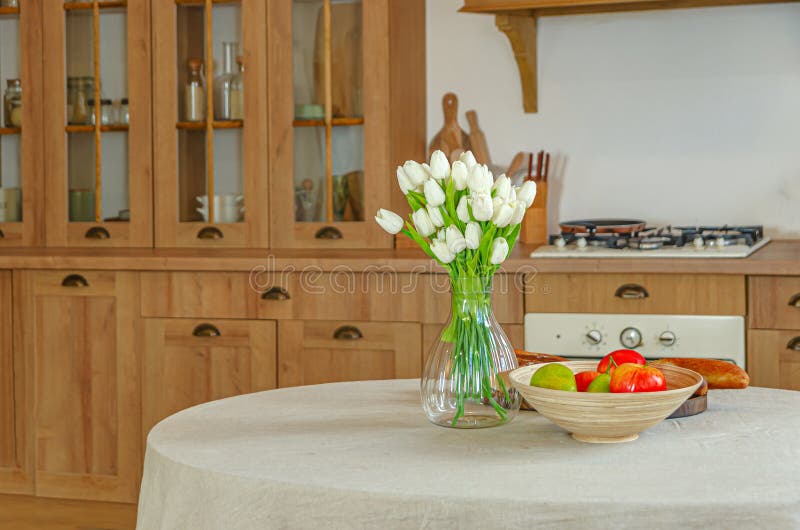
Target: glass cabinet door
[
  {"x": 210, "y": 124},
  {"x": 98, "y": 123},
  {"x": 21, "y": 160},
  {"x": 328, "y": 111}
]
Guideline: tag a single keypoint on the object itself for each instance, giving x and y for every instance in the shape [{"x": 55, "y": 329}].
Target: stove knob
[
  {"x": 560, "y": 243},
  {"x": 631, "y": 338},
  {"x": 698, "y": 242},
  {"x": 582, "y": 242},
  {"x": 594, "y": 337},
  {"x": 667, "y": 338}
]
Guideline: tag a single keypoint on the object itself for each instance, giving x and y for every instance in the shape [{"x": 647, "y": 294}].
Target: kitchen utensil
[
  {"x": 477, "y": 139},
  {"x": 602, "y": 226},
  {"x": 450, "y": 136},
  {"x": 606, "y": 418},
  {"x": 546, "y": 167},
  {"x": 81, "y": 205},
  {"x": 539, "y": 166},
  {"x": 516, "y": 164},
  {"x": 223, "y": 214}
]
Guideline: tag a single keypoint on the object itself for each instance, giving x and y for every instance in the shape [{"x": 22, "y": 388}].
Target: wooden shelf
[
  {"x": 336, "y": 122},
  {"x": 90, "y": 128},
  {"x": 218, "y": 124},
  {"x": 9, "y": 11},
  {"x": 10, "y": 130},
  {"x": 78, "y": 6}
]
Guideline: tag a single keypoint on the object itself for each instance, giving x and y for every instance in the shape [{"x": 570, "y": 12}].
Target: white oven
[{"x": 591, "y": 336}]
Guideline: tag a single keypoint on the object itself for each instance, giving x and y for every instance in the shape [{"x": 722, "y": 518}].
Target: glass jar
[
  {"x": 124, "y": 117},
  {"x": 237, "y": 91},
  {"x": 461, "y": 383},
  {"x": 194, "y": 99},
  {"x": 222, "y": 83},
  {"x": 81, "y": 90},
  {"x": 12, "y": 103},
  {"x": 9, "y": 3},
  {"x": 106, "y": 111}
]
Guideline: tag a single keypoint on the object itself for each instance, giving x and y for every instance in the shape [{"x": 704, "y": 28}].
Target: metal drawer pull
[
  {"x": 631, "y": 291},
  {"x": 275, "y": 293},
  {"x": 348, "y": 333},
  {"x": 328, "y": 232},
  {"x": 794, "y": 344},
  {"x": 74, "y": 280},
  {"x": 206, "y": 330},
  {"x": 2, "y": 235},
  {"x": 210, "y": 232},
  {"x": 795, "y": 301},
  {"x": 97, "y": 232}
]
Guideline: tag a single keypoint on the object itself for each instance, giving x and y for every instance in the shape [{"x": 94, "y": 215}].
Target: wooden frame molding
[{"x": 521, "y": 33}]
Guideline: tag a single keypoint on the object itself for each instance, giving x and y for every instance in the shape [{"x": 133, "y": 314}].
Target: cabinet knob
[
  {"x": 74, "y": 280},
  {"x": 328, "y": 232},
  {"x": 631, "y": 291},
  {"x": 794, "y": 301},
  {"x": 348, "y": 333},
  {"x": 206, "y": 330},
  {"x": 794, "y": 344},
  {"x": 97, "y": 232},
  {"x": 275, "y": 293},
  {"x": 210, "y": 232}
]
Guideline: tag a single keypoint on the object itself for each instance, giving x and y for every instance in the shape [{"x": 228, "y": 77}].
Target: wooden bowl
[{"x": 606, "y": 418}]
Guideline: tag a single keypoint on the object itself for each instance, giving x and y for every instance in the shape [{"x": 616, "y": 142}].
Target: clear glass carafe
[
  {"x": 461, "y": 384},
  {"x": 223, "y": 82},
  {"x": 237, "y": 91}
]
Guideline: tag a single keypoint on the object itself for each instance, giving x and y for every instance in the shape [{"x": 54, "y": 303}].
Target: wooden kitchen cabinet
[
  {"x": 188, "y": 362},
  {"x": 98, "y": 164},
  {"x": 201, "y": 148},
  {"x": 774, "y": 302},
  {"x": 314, "y": 352},
  {"x": 672, "y": 294},
  {"x": 81, "y": 332},
  {"x": 773, "y": 358},
  {"x": 15, "y": 405}
]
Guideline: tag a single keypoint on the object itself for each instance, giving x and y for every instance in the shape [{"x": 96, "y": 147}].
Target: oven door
[{"x": 590, "y": 336}]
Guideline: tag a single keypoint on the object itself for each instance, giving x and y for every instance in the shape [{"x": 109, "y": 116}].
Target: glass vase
[{"x": 461, "y": 384}]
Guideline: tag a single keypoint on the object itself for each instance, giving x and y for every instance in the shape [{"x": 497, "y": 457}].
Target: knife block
[{"x": 534, "y": 224}]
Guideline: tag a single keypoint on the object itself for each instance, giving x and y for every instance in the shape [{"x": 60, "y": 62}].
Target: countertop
[{"x": 779, "y": 257}]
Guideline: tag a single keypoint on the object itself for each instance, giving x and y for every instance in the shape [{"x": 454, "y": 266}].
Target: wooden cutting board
[
  {"x": 477, "y": 139},
  {"x": 451, "y": 136}
]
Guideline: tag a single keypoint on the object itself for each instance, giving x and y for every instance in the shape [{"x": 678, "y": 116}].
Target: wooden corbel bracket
[{"x": 521, "y": 33}]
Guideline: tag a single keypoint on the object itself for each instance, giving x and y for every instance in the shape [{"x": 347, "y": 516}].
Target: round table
[{"x": 363, "y": 455}]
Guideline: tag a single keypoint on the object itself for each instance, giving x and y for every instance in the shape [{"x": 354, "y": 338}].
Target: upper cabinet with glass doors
[
  {"x": 97, "y": 126},
  {"x": 329, "y": 122},
  {"x": 210, "y": 123},
  {"x": 21, "y": 160}
]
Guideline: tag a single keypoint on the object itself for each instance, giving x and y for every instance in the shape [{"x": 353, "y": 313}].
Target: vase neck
[{"x": 475, "y": 289}]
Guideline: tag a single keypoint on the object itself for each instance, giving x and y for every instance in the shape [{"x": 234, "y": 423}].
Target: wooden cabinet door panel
[
  {"x": 773, "y": 358},
  {"x": 310, "y": 353},
  {"x": 182, "y": 369},
  {"x": 82, "y": 337},
  {"x": 696, "y": 294},
  {"x": 774, "y": 302}
]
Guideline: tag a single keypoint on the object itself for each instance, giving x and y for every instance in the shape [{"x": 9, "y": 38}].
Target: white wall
[{"x": 687, "y": 116}]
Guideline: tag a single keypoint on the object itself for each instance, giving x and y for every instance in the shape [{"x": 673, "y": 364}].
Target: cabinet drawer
[
  {"x": 314, "y": 352},
  {"x": 307, "y": 296},
  {"x": 507, "y": 299},
  {"x": 774, "y": 302},
  {"x": 773, "y": 358},
  {"x": 697, "y": 294}
]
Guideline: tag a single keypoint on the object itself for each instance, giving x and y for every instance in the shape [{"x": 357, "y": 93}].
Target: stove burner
[{"x": 668, "y": 236}]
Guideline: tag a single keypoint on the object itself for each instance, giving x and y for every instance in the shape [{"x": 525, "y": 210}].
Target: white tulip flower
[
  {"x": 455, "y": 239},
  {"x": 480, "y": 179},
  {"x": 482, "y": 208},
  {"x": 502, "y": 212},
  {"x": 468, "y": 159},
  {"x": 462, "y": 211},
  {"x": 473, "y": 234},
  {"x": 459, "y": 174},
  {"x": 527, "y": 192},
  {"x": 389, "y": 221},
  {"x": 519, "y": 212},
  {"x": 423, "y": 222},
  {"x": 434, "y": 194},
  {"x": 502, "y": 187},
  {"x": 440, "y": 167},
  {"x": 416, "y": 173},
  {"x": 499, "y": 251},
  {"x": 440, "y": 250},
  {"x": 402, "y": 179},
  {"x": 436, "y": 215}
]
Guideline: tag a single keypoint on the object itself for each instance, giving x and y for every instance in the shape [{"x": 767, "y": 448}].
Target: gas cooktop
[{"x": 591, "y": 239}]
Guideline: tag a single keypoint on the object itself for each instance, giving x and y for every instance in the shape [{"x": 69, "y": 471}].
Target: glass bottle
[
  {"x": 462, "y": 385},
  {"x": 124, "y": 116},
  {"x": 106, "y": 110},
  {"x": 237, "y": 91},
  {"x": 194, "y": 95},
  {"x": 222, "y": 83},
  {"x": 12, "y": 103}
]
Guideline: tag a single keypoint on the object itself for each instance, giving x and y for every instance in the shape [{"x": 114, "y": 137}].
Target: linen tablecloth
[{"x": 363, "y": 455}]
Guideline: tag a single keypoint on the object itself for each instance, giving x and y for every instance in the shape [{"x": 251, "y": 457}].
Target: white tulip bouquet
[{"x": 468, "y": 221}]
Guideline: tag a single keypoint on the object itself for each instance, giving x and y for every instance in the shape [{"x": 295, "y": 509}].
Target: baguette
[
  {"x": 525, "y": 358},
  {"x": 718, "y": 374}
]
